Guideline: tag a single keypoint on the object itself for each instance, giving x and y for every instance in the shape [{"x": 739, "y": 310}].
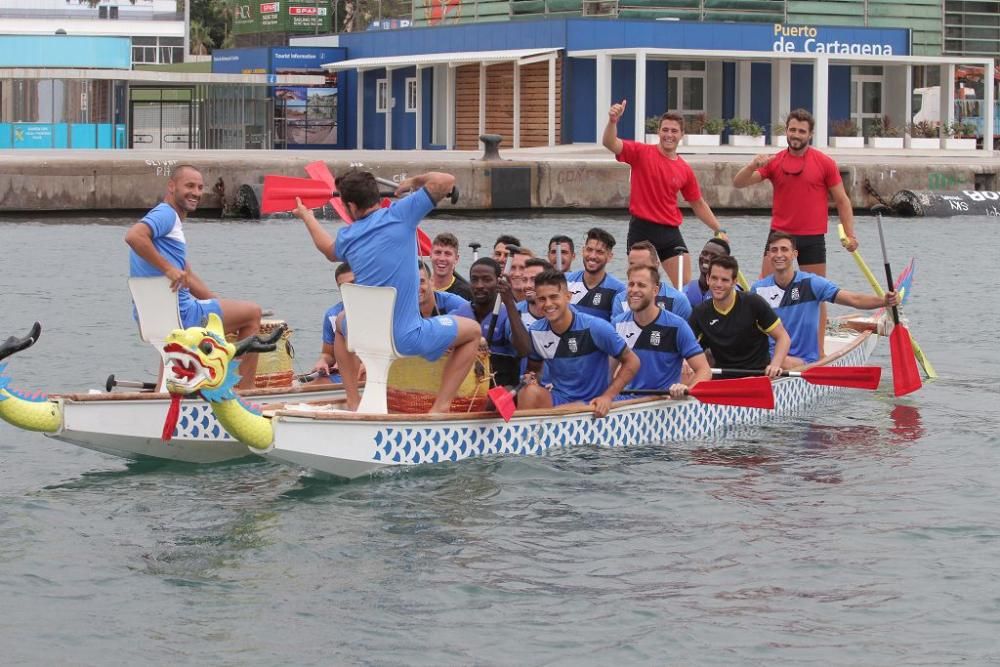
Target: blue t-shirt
[
  {"x": 797, "y": 305},
  {"x": 528, "y": 319},
  {"x": 662, "y": 346},
  {"x": 577, "y": 360},
  {"x": 452, "y": 304},
  {"x": 695, "y": 294},
  {"x": 382, "y": 251},
  {"x": 597, "y": 301},
  {"x": 168, "y": 239},
  {"x": 668, "y": 298},
  {"x": 500, "y": 343},
  {"x": 330, "y": 322}
]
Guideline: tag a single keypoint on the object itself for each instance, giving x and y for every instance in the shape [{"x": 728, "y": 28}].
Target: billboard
[{"x": 284, "y": 16}]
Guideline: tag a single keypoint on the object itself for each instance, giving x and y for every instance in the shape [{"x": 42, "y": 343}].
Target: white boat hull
[
  {"x": 350, "y": 446},
  {"x": 131, "y": 427}
]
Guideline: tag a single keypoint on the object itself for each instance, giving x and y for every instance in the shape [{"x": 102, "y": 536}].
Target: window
[
  {"x": 686, "y": 88},
  {"x": 411, "y": 94},
  {"x": 381, "y": 95}
]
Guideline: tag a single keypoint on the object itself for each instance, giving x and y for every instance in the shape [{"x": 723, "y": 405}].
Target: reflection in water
[{"x": 907, "y": 426}]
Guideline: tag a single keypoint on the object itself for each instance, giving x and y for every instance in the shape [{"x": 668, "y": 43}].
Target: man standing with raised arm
[{"x": 658, "y": 174}]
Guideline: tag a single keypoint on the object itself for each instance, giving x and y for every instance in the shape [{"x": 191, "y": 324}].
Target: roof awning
[
  {"x": 154, "y": 76},
  {"x": 521, "y": 56}
]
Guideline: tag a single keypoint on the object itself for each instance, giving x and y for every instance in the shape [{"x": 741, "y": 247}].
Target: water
[{"x": 866, "y": 532}]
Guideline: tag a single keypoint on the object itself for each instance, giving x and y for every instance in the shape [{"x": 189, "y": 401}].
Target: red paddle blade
[
  {"x": 905, "y": 374},
  {"x": 320, "y": 172},
  {"x": 173, "y": 412},
  {"x": 503, "y": 400},
  {"x": 280, "y": 193},
  {"x": 754, "y": 392},
  {"x": 854, "y": 377}
]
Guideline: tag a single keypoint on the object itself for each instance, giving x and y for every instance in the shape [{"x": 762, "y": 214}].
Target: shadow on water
[{"x": 95, "y": 478}]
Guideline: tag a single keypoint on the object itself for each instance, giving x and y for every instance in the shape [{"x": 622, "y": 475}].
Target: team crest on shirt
[
  {"x": 654, "y": 338},
  {"x": 794, "y": 296},
  {"x": 573, "y": 347},
  {"x": 597, "y": 299}
]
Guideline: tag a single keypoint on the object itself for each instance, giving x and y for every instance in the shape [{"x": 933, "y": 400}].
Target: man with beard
[
  {"x": 530, "y": 313},
  {"x": 697, "y": 290},
  {"x": 643, "y": 253},
  {"x": 516, "y": 277},
  {"x": 735, "y": 326},
  {"x": 157, "y": 247},
  {"x": 593, "y": 290},
  {"x": 575, "y": 348},
  {"x": 658, "y": 175},
  {"x": 561, "y": 252},
  {"x": 507, "y": 338},
  {"x": 661, "y": 339},
  {"x": 444, "y": 259},
  {"x": 500, "y": 250}
]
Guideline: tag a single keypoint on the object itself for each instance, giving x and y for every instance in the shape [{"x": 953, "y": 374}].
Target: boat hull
[
  {"x": 130, "y": 426},
  {"x": 350, "y": 446}
]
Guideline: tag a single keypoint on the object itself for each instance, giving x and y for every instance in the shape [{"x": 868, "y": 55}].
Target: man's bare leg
[
  {"x": 243, "y": 319},
  {"x": 532, "y": 396},
  {"x": 463, "y": 354},
  {"x": 349, "y": 366},
  {"x": 819, "y": 270},
  {"x": 670, "y": 268}
]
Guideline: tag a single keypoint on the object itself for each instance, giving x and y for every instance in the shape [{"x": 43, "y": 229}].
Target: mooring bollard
[{"x": 491, "y": 146}]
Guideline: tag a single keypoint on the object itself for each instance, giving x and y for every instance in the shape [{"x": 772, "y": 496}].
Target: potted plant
[
  {"x": 844, "y": 134},
  {"x": 778, "y": 137},
  {"x": 745, "y": 132},
  {"x": 924, "y": 135},
  {"x": 961, "y": 136},
  {"x": 702, "y": 131},
  {"x": 883, "y": 134},
  {"x": 653, "y": 130}
]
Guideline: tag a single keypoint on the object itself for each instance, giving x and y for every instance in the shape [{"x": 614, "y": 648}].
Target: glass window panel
[
  {"x": 871, "y": 97},
  {"x": 672, "y": 94},
  {"x": 143, "y": 41},
  {"x": 694, "y": 93}
]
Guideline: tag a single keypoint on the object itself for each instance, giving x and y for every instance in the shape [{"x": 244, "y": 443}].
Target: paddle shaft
[
  {"x": 888, "y": 269},
  {"x": 452, "y": 196},
  {"x": 749, "y": 373},
  {"x": 499, "y": 301}
]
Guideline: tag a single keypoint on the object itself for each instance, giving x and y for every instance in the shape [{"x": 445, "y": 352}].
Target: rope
[{"x": 871, "y": 191}]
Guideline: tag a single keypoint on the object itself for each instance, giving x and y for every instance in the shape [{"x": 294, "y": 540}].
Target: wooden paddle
[
  {"x": 852, "y": 377},
  {"x": 905, "y": 374},
  {"x": 873, "y": 281},
  {"x": 748, "y": 392}
]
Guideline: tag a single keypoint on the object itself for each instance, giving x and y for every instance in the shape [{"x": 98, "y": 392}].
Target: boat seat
[
  {"x": 158, "y": 313},
  {"x": 369, "y": 335}
]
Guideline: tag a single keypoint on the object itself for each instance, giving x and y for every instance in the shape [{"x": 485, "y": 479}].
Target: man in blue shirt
[
  {"x": 593, "y": 290},
  {"x": 157, "y": 247},
  {"x": 697, "y": 291},
  {"x": 326, "y": 365},
  {"x": 796, "y": 297},
  {"x": 381, "y": 247},
  {"x": 661, "y": 339},
  {"x": 643, "y": 253},
  {"x": 575, "y": 348},
  {"x": 509, "y": 339}
]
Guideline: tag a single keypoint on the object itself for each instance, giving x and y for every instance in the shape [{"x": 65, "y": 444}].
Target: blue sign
[
  {"x": 240, "y": 61},
  {"x": 33, "y": 135},
  {"x": 304, "y": 57},
  {"x": 65, "y": 51}
]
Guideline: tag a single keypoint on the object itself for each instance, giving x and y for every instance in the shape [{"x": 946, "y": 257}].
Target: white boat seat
[
  {"x": 369, "y": 335},
  {"x": 158, "y": 311}
]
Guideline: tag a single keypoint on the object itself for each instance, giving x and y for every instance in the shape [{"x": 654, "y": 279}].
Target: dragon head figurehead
[{"x": 198, "y": 359}]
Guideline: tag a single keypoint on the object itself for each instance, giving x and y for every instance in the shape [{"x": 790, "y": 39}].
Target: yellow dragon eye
[{"x": 206, "y": 347}]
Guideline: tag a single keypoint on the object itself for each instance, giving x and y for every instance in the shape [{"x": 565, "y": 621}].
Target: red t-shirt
[
  {"x": 801, "y": 187},
  {"x": 656, "y": 180}
]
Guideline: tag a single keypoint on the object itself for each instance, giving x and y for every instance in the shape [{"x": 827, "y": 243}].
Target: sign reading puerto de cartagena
[
  {"x": 812, "y": 39},
  {"x": 302, "y": 16}
]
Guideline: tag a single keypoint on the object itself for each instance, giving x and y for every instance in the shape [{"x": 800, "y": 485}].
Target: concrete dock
[{"x": 574, "y": 176}]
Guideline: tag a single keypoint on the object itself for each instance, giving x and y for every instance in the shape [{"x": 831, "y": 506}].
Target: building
[
  {"x": 154, "y": 28},
  {"x": 551, "y": 81}
]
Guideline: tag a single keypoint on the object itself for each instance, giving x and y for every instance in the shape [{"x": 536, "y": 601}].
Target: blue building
[{"x": 548, "y": 82}]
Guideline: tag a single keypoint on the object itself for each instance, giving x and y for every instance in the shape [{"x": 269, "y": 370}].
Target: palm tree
[{"x": 201, "y": 39}]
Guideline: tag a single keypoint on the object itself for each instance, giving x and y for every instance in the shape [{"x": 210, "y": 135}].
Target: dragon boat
[
  {"x": 129, "y": 424},
  {"x": 333, "y": 441}
]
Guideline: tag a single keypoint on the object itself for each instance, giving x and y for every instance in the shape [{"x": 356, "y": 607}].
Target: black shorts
[
  {"x": 666, "y": 238},
  {"x": 811, "y": 247}
]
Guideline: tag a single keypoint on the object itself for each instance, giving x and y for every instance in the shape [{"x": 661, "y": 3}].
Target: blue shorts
[
  {"x": 194, "y": 312},
  {"x": 430, "y": 340}
]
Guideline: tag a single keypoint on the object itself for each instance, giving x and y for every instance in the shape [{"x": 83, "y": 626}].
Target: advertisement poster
[{"x": 309, "y": 116}]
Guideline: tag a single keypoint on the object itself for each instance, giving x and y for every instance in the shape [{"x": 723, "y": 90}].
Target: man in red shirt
[
  {"x": 658, "y": 174},
  {"x": 801, "y": 177}
]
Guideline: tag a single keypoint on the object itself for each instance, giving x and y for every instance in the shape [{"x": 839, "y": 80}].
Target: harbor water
[{"x": 863, "y": 531}]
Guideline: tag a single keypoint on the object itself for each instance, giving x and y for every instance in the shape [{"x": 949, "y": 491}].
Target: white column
[
  {"x": 781, "y": 90},
  {"x": 360, "y": 111},
  {"x": 743, "y": 89},
  {"x": 988, "y": 110},
  {"x": 418, "y": 120},
  {"x": 389, "y": 103},
  {"x": 517, "y": 104},
  {"x": 947, "y": 97},
  {"x": 640, "y": 97},
  {"x": 821, "y": 104},
  {"x": 552, "y": 100},
  {"x": 602, "y": 96},
  {"x": 449, "y": 132},
  {"x": 482, "y": 98}
]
